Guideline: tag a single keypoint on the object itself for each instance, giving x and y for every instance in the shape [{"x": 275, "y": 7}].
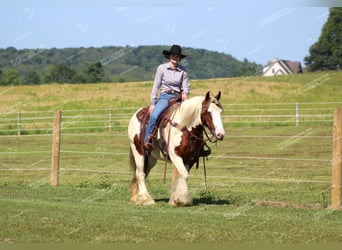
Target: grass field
[
  {"x": 94, "y": 214},
  {"x": 267, "y": 182}
]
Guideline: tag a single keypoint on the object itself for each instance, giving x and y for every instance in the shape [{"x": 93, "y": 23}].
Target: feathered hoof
[
  {"x": 184, "y": 201},
  {"x": 144, "y": 200}
]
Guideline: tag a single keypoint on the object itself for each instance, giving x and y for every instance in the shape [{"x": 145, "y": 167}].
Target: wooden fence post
[
  {"x": 336, "y": 160},
  {"x": 19, "y": 123},
  {"x": 110, "y": 120},
  {"x": 297, "y": 113},
  {"x": 56, "y": 142}
]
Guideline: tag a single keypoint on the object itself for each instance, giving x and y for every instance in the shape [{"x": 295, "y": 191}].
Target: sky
[{"x": 251, "y": 29}]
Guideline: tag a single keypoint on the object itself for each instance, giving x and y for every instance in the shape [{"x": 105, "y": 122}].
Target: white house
[{"x": 281, "y": 67}]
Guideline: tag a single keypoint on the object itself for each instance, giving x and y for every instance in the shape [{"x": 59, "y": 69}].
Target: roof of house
[
  {"x": 295, "y": 67},
  {"x": 289, "y": 67}
]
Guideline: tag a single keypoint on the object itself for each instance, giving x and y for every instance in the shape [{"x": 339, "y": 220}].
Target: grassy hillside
[
  {"x": 309, "y": 87},
  {"x": 120, "y": 64}
]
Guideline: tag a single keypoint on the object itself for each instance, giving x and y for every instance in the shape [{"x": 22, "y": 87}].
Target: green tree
[
  {"x": 32, "y": 78},
  {"x": 326, "y": 54},
  {"x": 60, "y": 73},
  {"x": 94, "y": 72},
  {"x": 0, "y": 74},
  {"x": 10, "y": 77},
  {"x": 248, "y": 69}
]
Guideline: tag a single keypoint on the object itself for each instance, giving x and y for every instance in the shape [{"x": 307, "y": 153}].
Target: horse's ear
[
  {"x": 207, "y": 96},
  {"x": 206, "y": 102},
  {"x": 218, "y": 96}
]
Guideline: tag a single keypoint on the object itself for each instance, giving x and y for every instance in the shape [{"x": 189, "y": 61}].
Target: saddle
[
  {"x": 143, "y": 117},
  {"x": 164, "y": 119}
]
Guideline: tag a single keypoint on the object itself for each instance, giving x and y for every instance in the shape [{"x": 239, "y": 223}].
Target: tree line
[{"x": 110, "y": 64}]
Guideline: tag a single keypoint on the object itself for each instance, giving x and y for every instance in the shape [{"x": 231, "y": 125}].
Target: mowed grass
[
  {"x": 71, "y": 213},
  {"x": 260, "y": 189}
]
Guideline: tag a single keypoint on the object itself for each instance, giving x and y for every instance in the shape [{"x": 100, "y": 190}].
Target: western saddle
[{"x": 143, "y": 116}]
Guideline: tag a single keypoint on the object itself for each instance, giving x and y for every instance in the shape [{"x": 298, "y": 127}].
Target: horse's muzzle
[{"x": 220, "y": 135}]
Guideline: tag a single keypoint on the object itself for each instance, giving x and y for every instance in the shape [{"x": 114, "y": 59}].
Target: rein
[
  {"x": 204, "y": 144},
  {"x": 173, "y": 124},
  {"x": 210, "y": 139}
]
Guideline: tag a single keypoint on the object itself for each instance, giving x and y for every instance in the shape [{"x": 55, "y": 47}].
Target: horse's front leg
[{"x": 180, "y": 195}]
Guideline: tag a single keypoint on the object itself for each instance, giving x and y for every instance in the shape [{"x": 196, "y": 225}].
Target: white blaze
[{"x": 216, "y": 115}]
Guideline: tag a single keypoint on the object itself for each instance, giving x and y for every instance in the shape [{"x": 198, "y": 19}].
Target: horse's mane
[{"x": 190, "y": 112}]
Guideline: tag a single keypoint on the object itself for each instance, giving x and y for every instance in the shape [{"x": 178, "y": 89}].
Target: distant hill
[{"x": 111, "y": 64}]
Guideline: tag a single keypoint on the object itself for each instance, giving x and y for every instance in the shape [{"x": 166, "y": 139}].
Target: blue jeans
[{"x": 161, "y": 104}]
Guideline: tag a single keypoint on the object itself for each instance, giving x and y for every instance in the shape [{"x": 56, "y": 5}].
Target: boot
[{"x": 148, "y": 146}]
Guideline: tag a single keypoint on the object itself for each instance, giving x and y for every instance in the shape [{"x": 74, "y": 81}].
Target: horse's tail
[
  {"x": 132, "y": 163},
  {"x": 133, "y": 187}
]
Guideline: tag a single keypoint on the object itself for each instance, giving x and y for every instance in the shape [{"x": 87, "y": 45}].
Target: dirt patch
[{"x": 285, "y": 204}]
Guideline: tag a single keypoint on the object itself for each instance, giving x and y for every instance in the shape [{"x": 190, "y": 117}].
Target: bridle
[
  {"x": 211, "y": 139},
  {"x": 203, "y": 141}
]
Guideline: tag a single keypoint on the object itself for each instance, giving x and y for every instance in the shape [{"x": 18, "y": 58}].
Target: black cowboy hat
[{"x": 175, "y": 49}]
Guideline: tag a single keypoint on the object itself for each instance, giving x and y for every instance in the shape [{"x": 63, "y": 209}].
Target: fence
[
  {"x": 101, "y": 120},
  {"x": 99, "y": 137},
  {"x": 279, "y": 114},
  {"x": 337, "y": 160}
]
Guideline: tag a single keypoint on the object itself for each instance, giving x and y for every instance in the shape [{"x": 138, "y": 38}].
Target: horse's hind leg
[
  {"x": 139, "y": 193},
  {"x": 133, "y": 189}
]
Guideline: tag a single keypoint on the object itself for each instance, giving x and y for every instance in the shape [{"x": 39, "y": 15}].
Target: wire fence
[
  {"x": 265, "y": 143},
  {"x": 101, "y": 120},
  {"x": 280, "y": 114}
]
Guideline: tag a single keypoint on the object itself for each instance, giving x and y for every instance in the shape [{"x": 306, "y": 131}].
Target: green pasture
[
  {"x": 267, "y": 182},
  {"x": 310, "y": 87},
  {"x": 72, "y": 213}
]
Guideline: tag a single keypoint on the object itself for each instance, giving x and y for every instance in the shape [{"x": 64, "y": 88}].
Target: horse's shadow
[
  {"x": 205, "y": 198},
  {"x": 199, "y": 201}
]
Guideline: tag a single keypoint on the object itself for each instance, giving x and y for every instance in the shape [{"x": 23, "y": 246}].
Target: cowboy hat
[{"x": 175, "y": 49}]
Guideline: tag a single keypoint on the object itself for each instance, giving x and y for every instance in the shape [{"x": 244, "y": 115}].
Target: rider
[{"x": 172, "y": 79}]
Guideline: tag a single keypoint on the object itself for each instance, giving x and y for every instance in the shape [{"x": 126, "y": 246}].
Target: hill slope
[
  {"x": 308, "y": 87},
  {"x": 120, "y": 64}
]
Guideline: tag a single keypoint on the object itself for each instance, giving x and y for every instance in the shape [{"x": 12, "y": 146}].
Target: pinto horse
[{"x": 186, "y": 124}]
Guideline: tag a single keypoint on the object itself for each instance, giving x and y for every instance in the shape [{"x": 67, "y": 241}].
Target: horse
[{"x": 185, "y": 125}]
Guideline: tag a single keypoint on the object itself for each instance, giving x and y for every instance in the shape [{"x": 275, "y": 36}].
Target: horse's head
[{"x": 211, "y": 115}]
